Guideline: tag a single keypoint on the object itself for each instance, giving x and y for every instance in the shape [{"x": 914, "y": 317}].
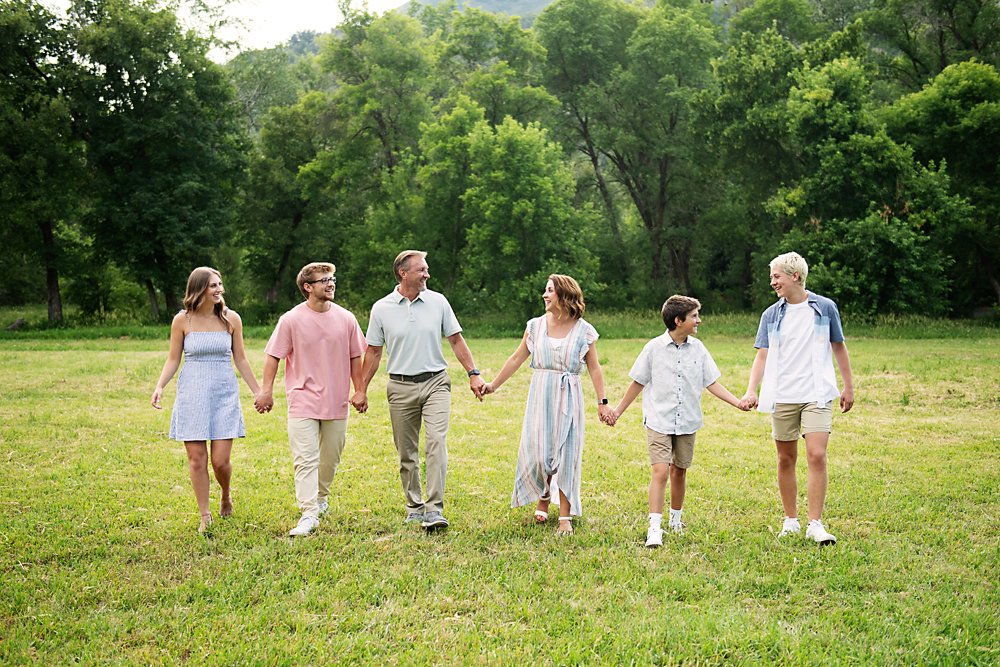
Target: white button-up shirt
[{"x": 673, "y": 377}]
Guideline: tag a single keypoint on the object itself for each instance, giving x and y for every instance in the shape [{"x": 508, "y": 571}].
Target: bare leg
[
  {"x": 678, "y": 484},
  {"x": 564, "y": 523},
  {"x": 816, "y": 482},
  {"x": 788, "y": 452},
  {"x": 658, "y": 487},
  {"x": 223, "y": 468},
  {"x": 197, "y": 453}
]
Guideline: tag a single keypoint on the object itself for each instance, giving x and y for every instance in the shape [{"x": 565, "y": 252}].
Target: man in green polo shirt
[{"x": 410, "y": 322}]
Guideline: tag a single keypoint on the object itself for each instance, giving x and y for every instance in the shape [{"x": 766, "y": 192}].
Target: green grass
[{"x": 101, "y": 562}]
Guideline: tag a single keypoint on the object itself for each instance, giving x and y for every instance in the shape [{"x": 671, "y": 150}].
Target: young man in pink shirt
[{"x": 322, "y": 346}]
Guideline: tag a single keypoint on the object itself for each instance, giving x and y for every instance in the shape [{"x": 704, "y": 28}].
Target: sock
[
  {"x": 675, "y": 515},
  {"x": 654, "y": 520}
]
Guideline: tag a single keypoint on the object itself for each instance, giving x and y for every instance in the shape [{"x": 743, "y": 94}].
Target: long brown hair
[
  {"x": 569, "y": 294},
  {"x": 195, "y": 292}
]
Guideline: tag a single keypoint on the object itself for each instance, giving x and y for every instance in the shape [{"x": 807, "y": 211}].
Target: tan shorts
[
  {"x": 793, "y": 419},
  {"x": 671, "y": 449}
]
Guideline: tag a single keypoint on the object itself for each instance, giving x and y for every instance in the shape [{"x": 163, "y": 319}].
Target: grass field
[{"x": 101, "y": 562}]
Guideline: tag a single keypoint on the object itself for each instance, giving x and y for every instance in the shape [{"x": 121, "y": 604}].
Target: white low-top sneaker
[
  {"x": 817, "y": 533},
  {"x": 790, "y": 527},
  {"x": 677, "y": 526},
  {"x": 306, "y": 525},
  {"x": 654, "y": 537}
]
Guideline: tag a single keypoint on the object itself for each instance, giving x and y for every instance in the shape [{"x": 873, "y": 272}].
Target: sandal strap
[{"x": 565, "y": 518}]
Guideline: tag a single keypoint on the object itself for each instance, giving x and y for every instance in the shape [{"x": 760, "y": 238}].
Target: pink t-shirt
[{"x": 317, "y": 349}]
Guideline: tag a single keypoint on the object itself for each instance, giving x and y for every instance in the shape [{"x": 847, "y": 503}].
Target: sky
[{"x": 271, "y": 22}]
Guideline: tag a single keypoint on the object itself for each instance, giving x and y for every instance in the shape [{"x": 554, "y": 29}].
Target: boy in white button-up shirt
[{"x": 673, "y": 369}]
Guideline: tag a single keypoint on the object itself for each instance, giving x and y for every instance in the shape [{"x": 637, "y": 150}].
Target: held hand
[
  {"x": 155, "y": 400},
  {"x": 606, "y": 414},
  {"x": 488, "y": 389},
  {"x": 749, "y": 401},
  {"x": 263, "y": 402},
  {"x": 847, "y": 399},
  {"x": 360, "y": 401},
  {"x": 477, "y": 385}
]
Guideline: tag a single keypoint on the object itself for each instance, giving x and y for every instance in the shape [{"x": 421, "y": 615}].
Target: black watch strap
[{"x": 602, "y": 401}]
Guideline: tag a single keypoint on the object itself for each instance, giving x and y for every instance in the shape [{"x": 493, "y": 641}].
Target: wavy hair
[
  {"x": 569, "y": 294},
  {"x": 195, "y": 293}
]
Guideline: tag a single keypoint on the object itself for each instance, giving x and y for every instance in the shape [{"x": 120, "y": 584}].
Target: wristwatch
[
  {"x": 602, "y": 401},
  {"x": 474, "y": 371}
]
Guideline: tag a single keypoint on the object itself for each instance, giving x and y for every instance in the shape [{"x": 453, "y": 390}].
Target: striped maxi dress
[{"x": 552, "y": 435}]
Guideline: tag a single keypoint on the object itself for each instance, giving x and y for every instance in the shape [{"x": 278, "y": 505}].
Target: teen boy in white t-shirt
[{"x": 796, "y": 339}]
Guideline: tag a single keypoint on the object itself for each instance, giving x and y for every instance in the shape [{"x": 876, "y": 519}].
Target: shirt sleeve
[
  {"x": 280, "y": 342},
  {"x": 642, "y": 371},
  {"x": 449, "y": 323},
  {"x": 710, "y": 371},
  {"x": 590, "y": 336},
  {"x": 358, "y": 345},
  {"x": 836, "y": 328},
  {"x": 375, "y": 335},
  {"x": 529, "y": 328},
  {"x": 761, "y": 341}
]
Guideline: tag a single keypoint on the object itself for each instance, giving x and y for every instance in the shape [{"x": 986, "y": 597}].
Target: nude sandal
[
  {"x": 568, "y": 530},
  {"x": 541, "y": 516}
]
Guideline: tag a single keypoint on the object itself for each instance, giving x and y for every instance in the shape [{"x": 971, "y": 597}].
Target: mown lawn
[{"x": 101, "y": 562}]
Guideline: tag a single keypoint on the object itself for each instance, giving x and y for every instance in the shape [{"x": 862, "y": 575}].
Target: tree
[
  {"x": 955, "y": 120},
  {"x": 41, "y": 160},
  {"x": 165, "y": 142},
  {"x": 524, "y": 227}
]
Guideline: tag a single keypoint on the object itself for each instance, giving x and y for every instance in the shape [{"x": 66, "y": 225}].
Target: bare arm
[
  {"x": 173, "y": 361},
  {"x": 756, "y": 373},
  {"x": 360, "y": 398},
  {"x": 464, "y": 356},
  {"x": 514, "y": 361},
  {"x": 844, "y": 364},
  {"x": 597, "y": 377},
  {"x": 716, "y": 389},
  {"x": 631, "y": 394},
  {"x": 265, "y": 398},
  {"x": 240, "y": 354}
]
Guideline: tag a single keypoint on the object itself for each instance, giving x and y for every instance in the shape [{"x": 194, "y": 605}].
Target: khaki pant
[
  {"x": 410, "y": 404},
  {"x": 316, "y": 448}
]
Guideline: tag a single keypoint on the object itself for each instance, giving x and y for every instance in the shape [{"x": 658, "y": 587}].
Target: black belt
[{"x": 419, "y": 377}]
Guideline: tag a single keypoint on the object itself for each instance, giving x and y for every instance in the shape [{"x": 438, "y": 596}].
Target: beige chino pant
[
  {"x": 316, "y": 448},
  {"x": 411, "y": 403}
]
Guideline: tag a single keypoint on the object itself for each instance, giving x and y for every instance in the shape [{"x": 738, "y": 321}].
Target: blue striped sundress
[
  {"x": 207, "y": 406},
  {"x": 552, "y": 435}
]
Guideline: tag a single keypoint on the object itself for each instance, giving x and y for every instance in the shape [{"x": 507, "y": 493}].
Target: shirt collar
[{"x": 397, "y": 297}]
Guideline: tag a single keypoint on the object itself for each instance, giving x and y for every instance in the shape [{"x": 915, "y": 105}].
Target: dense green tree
[
  {"x": 865, "y": 213},
  {"x": 956, "y": 120},
  {"x": 41, "y": 155},
  {"x": 165, "y": 142},
  {"x": 520, "y": 198},
  {"x": 915, "y": 40}
]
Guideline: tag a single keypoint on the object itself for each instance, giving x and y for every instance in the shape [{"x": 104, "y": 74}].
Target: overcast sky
[{"x": 270, "y": 22}]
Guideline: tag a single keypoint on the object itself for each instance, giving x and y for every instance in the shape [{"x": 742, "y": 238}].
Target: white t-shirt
[{"x": 795, "y": 355}]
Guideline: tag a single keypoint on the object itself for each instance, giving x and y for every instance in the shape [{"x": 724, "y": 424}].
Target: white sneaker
[
  {"x": 323, "y": 508},
  {"x": 306, "y": 525},
  {"x": 676, "y": 526},
  {"x": 654, "y": 537},
  {"x": 817, "y": 533},
  {"x": 790, "y": 527}
]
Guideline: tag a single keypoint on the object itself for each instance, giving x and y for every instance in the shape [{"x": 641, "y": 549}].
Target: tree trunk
[
  {"x": 154, "y": 306},
  {"x": 286, "y": 253},
  {"x": 51, "y": 272}
]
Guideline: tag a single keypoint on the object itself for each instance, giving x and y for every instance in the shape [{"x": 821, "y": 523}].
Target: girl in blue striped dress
[
  {"x": 550, "y": 455},
  {"x": 207, "y": 406}
]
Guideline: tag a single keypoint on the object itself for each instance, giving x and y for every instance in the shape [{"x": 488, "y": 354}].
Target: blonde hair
[
  {"x": 789, "y": 263},
  {"x": 569, "y": 294},
  {"x": 307, "y": 272},
  {"x": 194, "y": 294},
  {"x": 402, "y": 261}
]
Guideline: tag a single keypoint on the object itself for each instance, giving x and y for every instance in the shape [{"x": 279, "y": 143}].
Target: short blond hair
[
  {"x": 307, "y": 272},
  {"x": 789, "y": 263},
  {"x": 403, "y": 260}
]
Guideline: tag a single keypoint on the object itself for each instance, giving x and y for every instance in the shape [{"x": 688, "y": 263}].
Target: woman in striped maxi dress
[
  {"x": 550, "y": 456},
  {"x": 207, "y": 406}
]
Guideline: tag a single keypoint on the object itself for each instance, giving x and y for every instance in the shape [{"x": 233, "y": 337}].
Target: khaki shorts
[
  {"x": 672, "y": 449},
  {"x": 793, "y": 419}
]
